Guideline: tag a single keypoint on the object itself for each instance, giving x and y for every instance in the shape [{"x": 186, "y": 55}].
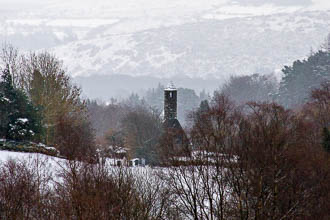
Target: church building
[
  {"x": 171, "y": 125},
  {"x": 171, "y": 107}
]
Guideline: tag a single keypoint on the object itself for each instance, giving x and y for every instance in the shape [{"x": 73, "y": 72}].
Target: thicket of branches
[
  {"x": 259, "y": 161},
  {"x": 31, "y": 189}
]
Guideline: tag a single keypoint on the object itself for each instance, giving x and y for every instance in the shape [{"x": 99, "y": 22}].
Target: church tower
[
  {"x": 170, "y": 102},
  {"x": 171, "y": 123},
  {"x": 171, "y": 108}
]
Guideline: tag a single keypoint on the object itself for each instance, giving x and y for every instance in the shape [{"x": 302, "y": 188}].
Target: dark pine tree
[
  {"x": 6, "y": 94},
  {"x": 20, "y": 120},
  {"x": 326, "y": 139},
  {"x": 302, "y": 77}
]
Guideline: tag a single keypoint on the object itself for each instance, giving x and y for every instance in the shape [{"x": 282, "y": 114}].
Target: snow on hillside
[
  {"x": 236, "y": 10},
  {"x": 6, "y": 155},
  {"x": 34, "y": 160},
  {"x": 54, "y": 162},
  {"x": 167, "y": 38},
  {"x": 209, "y": 48}
]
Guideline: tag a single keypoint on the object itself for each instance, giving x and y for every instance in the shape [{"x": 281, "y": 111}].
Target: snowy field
[
  {"x": 6, "y": 155},
  {"x": 43, "y": 162},
  {"x": 57, "y": 164}
]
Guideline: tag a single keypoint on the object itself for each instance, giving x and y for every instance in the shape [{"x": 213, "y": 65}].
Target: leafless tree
[{"x": 25, "y": 189}]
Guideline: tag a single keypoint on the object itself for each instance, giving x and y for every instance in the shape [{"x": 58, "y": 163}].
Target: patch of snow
[
  {"x": 6, "y": 155},
  {"x": 51, "y": 148},
  {"x": 5, "y": 99},
  {"x": 60, "y": 35},
  {"x": 23, "y": 120},
  {"x": 41, "y": 145},
  {"x": 170, "y": 87},
  {"x": 236, "y": 10}
]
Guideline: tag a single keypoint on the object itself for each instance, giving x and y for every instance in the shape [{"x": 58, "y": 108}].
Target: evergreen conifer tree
[
  {"x": 326, "y": 139},
  {"x": 20, "y": 120},
  {"x": 6, "y": 94},
  {"x": 302, "y": 77}
]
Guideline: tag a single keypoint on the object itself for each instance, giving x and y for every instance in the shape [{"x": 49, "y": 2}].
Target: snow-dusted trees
[
  {"x": 41, "y": 76},
  {"x": 20, "y": 120}
]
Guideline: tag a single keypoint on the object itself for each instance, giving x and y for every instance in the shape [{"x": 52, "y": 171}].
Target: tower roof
[{"x": 170, "y": 87}]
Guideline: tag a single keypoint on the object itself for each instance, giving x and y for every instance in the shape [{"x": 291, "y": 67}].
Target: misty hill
[
  {"x": 208, "y": 49},
  {"x": 207, "y": 46}
]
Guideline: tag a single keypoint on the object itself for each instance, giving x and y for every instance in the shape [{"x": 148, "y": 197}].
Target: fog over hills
[{"x": 103, "y": 43}]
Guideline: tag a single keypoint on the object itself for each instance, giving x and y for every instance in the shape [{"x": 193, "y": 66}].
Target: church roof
[
  {"x": 170, "y": 87},
  {"x": 172, "y": 124}
]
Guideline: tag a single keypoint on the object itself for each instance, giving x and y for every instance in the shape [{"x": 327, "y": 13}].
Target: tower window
[{"x": 170, "y": 94}]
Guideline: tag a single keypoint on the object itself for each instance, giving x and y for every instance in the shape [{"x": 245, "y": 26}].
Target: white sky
[
  {"x": 124, "y": 3},
  {"x": 159, "y": 8},
  {"x": 322, "y": 4}
]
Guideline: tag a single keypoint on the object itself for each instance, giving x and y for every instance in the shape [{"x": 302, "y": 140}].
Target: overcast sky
[
  {"x": 155, "y": 7},
  {"x": 279, "y": 2}
]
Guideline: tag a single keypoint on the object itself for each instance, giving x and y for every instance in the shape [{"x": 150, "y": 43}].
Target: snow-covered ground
[
  {"x": 10, "y": 155},
  {"x": 6, "y": 155},
  {"x": 55, "y": 162}
]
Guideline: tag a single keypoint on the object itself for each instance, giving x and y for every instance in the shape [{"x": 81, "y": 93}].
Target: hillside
[
  {"x": 209, "y": 48},
  {"x": 162, "y": 41}
]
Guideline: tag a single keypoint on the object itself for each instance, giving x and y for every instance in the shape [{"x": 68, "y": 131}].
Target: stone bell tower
[
  {"x": 171, "y": 123},
  {"x": 170, "y": 108},
  {"x": 170, "y": 102}
]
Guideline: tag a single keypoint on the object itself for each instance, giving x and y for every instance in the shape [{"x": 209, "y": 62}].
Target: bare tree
[
  {"x": 25, "y": 189},
  {"x": 249, "y": 164}
]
